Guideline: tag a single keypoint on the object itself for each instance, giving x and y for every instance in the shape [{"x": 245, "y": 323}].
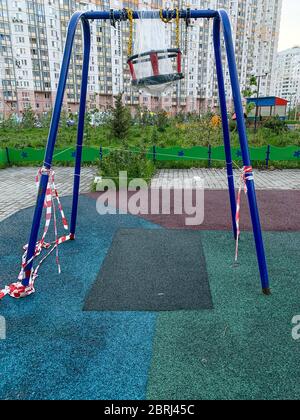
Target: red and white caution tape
[
  {"x": 246, "y": 175},
  {"x": 17, "y": 290}
]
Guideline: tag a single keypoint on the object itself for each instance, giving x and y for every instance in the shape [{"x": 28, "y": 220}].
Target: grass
[
  {"x": 187, "y": 164},
  {"x": 185, "y": 135}
]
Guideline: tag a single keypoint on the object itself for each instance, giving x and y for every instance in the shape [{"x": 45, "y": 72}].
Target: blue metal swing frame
[{"x": 221, "y": 19}]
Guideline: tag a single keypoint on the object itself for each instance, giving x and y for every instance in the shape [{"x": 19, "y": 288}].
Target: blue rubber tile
[{"x": 53, "y": 349}]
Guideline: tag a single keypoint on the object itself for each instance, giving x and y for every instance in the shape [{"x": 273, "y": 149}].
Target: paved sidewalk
[
  {"x": 216, "y": 179},
  {"x": 18, "y": 189}
]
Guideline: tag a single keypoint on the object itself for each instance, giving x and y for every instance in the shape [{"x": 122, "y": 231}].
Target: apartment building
[
  {"x": 33, "y": 32},
  {"x": 287, "y": 76},
  {"x": 256, "y": 25}
]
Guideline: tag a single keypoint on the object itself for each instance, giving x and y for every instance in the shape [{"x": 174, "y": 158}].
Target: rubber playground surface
[{"x": 240, "y": 349}]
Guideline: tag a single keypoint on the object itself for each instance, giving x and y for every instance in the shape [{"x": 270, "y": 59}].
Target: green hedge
[{"x": 92, "y": 154}]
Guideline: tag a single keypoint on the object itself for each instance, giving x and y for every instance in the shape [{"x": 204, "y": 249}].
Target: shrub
[
  {"x": 162, "y": 121},
  {"x": 275, "y": 124},
  {"x": 136, "y": 165},
  {"x": 154, "y": 137},
  {"x": 45, "y": 119},
  {"x": 28, "y": 119},
  {"x": 232, "y": 126}
]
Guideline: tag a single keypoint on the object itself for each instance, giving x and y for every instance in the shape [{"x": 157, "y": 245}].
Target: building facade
[
  {"x": 33, "y": 32},
  {"x": 287, "y": 76}
]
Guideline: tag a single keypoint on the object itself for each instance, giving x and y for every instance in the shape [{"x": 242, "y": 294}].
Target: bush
[
  {"x": 232, "y": 126},
  {"x": 28, "y": 119},
  {"x": 154, "y": 137},
  {"x": 136, "y": 165},
  {"x": 275, "y": 124},
  {"x": 162, "y": 121},
  {"x": 10, "y": 123},
  {"x": 45, "y": 119}
]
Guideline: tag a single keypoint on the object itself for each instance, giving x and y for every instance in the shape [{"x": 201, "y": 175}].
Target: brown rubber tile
[{"x": 279, "y": 211}]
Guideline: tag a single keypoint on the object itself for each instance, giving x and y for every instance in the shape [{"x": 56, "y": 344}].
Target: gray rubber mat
[{"x": 152, "y": 270}]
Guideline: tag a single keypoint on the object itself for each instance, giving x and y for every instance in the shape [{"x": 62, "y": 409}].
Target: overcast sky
[{"x": 290, "y": 24}]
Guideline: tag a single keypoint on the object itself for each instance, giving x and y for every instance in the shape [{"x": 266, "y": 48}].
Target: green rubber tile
[{"x": 243, "y": 349}]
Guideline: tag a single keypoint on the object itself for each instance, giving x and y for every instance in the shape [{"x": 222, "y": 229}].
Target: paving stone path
[
  {"x": 18, "y": 191},
  {"x": 216, "y": 179}
]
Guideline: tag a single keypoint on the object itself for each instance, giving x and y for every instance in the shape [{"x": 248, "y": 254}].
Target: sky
[{"x": 290, "y": 24}]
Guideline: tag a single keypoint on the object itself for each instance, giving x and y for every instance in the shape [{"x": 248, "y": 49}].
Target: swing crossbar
[
  {"x": 221, "y": 20},
  {"x": 150, "y": 14}
]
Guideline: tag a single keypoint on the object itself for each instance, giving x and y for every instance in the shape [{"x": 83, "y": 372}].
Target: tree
[
  {"x": 28, "y": 118},
  {"x": 120, "y": 121},
  {"x": 145, "y": 117},
  {"x": 45, "y": 119},
  {"x": 249, "y": 92},
  {"x": 293, "y": 113}
]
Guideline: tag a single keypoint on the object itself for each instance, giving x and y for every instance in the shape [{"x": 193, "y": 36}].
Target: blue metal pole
[
  {"x": 80, "y": 131},
  {"x": 245, "y": 152},
  {"x": 268, "y": 156},
  {"x": 225, "y": 123},
  {"x": 154, "y": 153},
  {"x": 7, "y": 156},
  {"x": 209, "y": 155},
  {"x": 51, "y": 143}
]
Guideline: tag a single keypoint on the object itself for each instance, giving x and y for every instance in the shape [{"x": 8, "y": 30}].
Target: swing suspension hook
[
  {"x": 112, "y": 18},
  {"x": 169, "y": 19},
  {"x": 188, "y": 17},
  {"x": 124, "y": 15}
]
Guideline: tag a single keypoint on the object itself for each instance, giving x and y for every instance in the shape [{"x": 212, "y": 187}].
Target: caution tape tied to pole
[
  {"x": 52, "y": 202},
  {"x": 246, "y": 175}
]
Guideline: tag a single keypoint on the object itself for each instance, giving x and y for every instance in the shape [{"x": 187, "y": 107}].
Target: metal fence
[{"x": 9, "y": 156}]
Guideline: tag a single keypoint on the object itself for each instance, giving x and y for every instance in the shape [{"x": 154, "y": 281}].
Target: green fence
[
  {"x": 218, "y": 153},
  {"x": 92, "y": 154},
  {"x": 19, "y": 156}
]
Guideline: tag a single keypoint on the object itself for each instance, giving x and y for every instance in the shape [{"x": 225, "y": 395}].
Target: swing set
[{"x": 156, "y": 75}]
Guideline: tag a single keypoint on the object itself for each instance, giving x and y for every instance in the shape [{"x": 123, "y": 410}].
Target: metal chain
[
  {"x": 177, "y": 28},
  {"x": 130, "y": 41},
  {"x": 187, "y": 24},
  {"x": 119, "y": 39}
]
